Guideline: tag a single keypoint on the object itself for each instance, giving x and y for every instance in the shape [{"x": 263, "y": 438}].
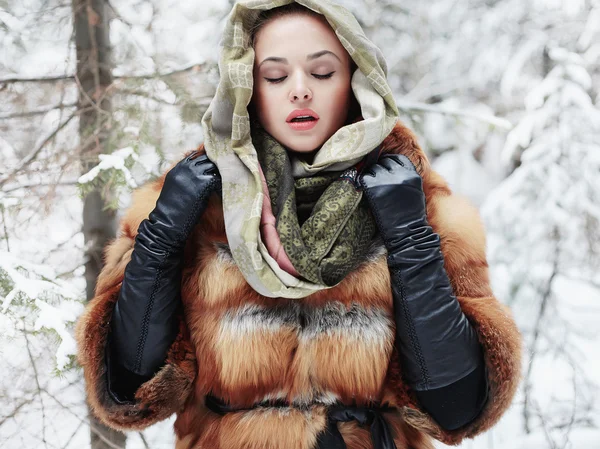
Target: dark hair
[{"x": 354, "y": 112}]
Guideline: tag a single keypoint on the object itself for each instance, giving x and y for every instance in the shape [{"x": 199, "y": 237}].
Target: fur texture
[{"x": 335, "y": 345}]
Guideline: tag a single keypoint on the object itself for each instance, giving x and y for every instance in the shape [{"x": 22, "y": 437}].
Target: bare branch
[
  {"x": 422, "y": 107},
  {"x": 573, "y": 413},
  {"x": 92, "y": 103},
  {"x": 201, "y": 102},
  {"x": 73, "y": 435},
  {"x": 42, "y": 79},
  {"x": 191, "y": 68},
  {"x": 542, "y": 417},
  {"x": 93, "y": 428},
  {"x": 31, "y": 156},
  {"x": 16, "y": 410},
  {"x": 37, "y": 111},
  {"x": 146, "y": 445},
  {"x": 36, "y": 151},
  {"x": 546, "y": 296},
  {"x": 52, "y": 79},
  {"x": 39, "y": 387},
  {"x": 140, "y": 93},
  {"x": 5, "y": 228},
  {"x": 33, "y": 185},
  {"x": 118, "y": 15}
]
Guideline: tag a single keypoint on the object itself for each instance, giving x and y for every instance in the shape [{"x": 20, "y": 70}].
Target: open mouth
[
  {"x": 302, "y": 119},
  {"x": 306, "y": 118},
  {"x": 303, "y": 123}
]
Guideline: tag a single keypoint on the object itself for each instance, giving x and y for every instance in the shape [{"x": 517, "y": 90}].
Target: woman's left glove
[
  {"x": 436, "y": 343},
  {"x": 144, "y": 322}
]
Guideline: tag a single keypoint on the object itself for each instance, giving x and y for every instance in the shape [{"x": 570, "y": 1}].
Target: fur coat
[{"x": 336, "y": 344}]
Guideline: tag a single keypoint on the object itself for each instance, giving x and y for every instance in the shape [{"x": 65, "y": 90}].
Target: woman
[{"x": 312, "y": 317}]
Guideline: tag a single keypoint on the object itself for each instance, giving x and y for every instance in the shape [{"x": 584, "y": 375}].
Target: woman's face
[{"x": 300, "y": 64}]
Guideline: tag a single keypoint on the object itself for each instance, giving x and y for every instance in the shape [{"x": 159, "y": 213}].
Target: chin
[
  {"x": 303, "y": 148},
  {"x": 307, "y": 144}
]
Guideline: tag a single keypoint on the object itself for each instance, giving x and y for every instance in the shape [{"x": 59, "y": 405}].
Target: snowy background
[{"x": 505, "y": 98}]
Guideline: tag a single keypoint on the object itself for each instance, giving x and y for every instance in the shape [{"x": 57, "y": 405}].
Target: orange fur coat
[{"x": 336, "y": 344}]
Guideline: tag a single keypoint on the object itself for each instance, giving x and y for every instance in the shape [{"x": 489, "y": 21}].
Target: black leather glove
[
  {"x": 438, "y": 348},
  {"x": 144, "y": 323}
]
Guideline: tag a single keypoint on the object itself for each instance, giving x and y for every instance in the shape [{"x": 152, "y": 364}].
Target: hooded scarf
[{"x": 263, "y": 184}]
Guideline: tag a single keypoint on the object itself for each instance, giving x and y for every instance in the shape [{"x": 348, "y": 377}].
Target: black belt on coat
[{"x": 331, "y": 438}]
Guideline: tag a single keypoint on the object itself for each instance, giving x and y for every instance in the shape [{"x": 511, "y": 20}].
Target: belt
[{"x": 331, "y": 438}]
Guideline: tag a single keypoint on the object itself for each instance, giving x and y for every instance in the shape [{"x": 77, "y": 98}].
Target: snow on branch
[
  {"x": 113, "y": 161},
  {"x": 29, "y": 290},
  {"x": 543, "y": 224}
]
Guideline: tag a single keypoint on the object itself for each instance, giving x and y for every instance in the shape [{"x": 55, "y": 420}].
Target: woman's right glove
[
  {"x": 441, "y": 356},
  {"x": 144, "y": 322}
]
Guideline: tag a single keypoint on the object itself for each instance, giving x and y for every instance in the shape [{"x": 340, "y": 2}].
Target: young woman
[{"x": 304, "y": 279}]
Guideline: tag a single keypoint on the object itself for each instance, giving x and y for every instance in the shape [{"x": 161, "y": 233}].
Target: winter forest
[{"x": 98, "y": 97}]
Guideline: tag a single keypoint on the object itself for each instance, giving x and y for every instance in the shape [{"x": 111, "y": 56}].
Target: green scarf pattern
[
  {"x": 323, "y": 221},
  {"x": 329, "y": 242}
]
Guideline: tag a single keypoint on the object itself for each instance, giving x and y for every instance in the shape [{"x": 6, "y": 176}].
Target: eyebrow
[{"x": 308, "y": 58}]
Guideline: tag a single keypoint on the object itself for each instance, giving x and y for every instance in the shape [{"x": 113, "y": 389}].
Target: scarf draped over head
[{"x": 294, "y": 227}]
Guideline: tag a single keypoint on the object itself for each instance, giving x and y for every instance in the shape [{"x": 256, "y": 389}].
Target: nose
[{"x": 300, "y": 91}]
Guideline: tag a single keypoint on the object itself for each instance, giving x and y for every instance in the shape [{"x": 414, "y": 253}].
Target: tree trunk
[{"x": 94, "y": 76}]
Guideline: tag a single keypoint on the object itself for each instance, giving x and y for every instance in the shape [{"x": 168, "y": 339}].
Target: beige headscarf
[{"x": 229, "y": 144}]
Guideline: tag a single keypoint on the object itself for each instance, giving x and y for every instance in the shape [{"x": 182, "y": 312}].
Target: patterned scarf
[
  {"x": 323, "y": 223},
  {"x": 326, "y": 236}
]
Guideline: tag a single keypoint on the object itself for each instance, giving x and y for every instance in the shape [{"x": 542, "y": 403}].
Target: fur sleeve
[
  {"x": 168, "y": 390},
  {"x": 462, "y": 237}
]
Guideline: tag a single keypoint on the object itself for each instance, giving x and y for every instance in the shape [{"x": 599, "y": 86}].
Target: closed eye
[
  {"x": 320, "y": 77},
  {"x": 323, "y": 77},
  {"x": 276, "y": 80}
]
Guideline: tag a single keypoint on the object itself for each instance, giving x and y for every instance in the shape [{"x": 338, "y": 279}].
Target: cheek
[
  {"x": 264, "y": 104},
  {"x": 340, "y": 97}
]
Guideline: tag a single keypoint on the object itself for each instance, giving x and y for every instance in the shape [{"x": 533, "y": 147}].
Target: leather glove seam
[
  {"x": 396, "y": 273},
  {"x": 148, "y": 311},
  {"x": 411, "y": 331},
  {"x": 146, "y": 320}
]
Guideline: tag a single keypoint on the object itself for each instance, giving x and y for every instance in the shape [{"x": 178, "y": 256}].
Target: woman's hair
[{"x": 268, "y": 15}]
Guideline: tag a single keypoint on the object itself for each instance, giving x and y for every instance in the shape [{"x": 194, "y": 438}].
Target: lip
[
  {"x": 303, "y": 126},
  {"x": 297, "y": 112}
]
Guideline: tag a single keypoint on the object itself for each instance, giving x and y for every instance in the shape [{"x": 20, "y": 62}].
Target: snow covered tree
[
  {"x": 459, "y": 71},
  {"x": 87, "y": 129},
  {"x": 544, "y": 246}
]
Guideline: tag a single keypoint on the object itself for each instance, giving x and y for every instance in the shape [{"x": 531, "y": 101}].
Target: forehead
[{"x": 297, "y": 34}]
